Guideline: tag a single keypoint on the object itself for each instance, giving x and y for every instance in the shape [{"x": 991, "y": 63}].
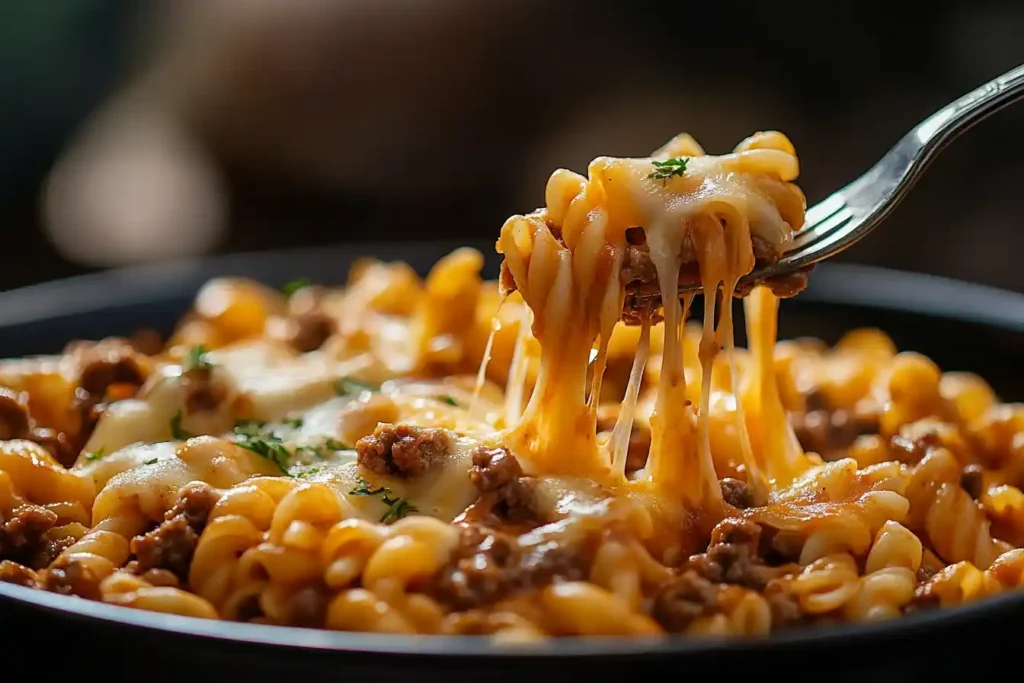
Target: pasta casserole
[{"x": 558, "y": 453}]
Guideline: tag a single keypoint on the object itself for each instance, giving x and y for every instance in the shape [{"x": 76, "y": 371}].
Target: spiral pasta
[{"x": 453, "y": 456}]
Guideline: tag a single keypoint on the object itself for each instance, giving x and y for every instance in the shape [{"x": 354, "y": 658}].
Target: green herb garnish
[
  {"x": 309, "y": 472},
  {"x": 449, "y": 400},
  {"x": 269, "y": 448},
  {"x": 320, "y": 451},
  {"x": 197, "y": 359},
  {"x": 363, "y": 489},
  {"x": 397, "y": 507},
  {"x": 253, "y": 428},
  {"x": 151, "y": 462},
  {"x": 293, "y": 422},
  {"x": 295, "y": 285},
  {"x": 346, "y": 386},
  {"x": 663, "y": 170},
  {"x": 177, "y": 433},
  {"x": 92, "y": 457},
  {"x": 251, "y": 436}
]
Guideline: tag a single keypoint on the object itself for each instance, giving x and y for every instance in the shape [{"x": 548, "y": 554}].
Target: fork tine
[
  {"x": 823, "y": 209},
  {"x": 823, "y": 228}
]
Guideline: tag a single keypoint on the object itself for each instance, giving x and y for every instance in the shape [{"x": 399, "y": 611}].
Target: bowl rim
[{"x": 840, "y": 283}]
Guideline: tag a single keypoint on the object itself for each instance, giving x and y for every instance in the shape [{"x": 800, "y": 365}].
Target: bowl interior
[{"x": 960, "y": 326}]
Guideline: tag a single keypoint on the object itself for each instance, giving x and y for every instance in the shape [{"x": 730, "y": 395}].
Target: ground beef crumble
[
  {"x": 506, "y": 494},
  {"x": 488, "y": 565},
  {"x": 736, "y": 493},
  {"x": 685, "y": 598},
  {"x": 71, "y": 577},
  {"x": 911, "y": 451},
  {"x": 15, "y": 422},
  {"x": 108, "y": 370},
  {"x": 402, "y": 449},
  {"x": 24, "y": 537},
  {"x": 171, "y": 544},
  {"x": 732, "y": 558},
  {"x": 829, "y": 431}
]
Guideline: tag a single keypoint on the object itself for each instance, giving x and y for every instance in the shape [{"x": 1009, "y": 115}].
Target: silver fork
[{"x": 846, "y": 216}]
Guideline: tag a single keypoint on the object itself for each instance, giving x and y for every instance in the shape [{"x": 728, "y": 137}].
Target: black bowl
[{"x": 961, "y": 326}]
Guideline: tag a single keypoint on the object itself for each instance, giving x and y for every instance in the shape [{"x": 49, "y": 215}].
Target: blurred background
[{"x": 134, "y": 131}]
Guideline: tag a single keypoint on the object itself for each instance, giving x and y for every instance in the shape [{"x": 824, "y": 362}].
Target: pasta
[{"x": 560, "y": 453}]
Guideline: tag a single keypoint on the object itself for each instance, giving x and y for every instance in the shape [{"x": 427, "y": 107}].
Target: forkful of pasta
[{"x": 848, "y": 215}]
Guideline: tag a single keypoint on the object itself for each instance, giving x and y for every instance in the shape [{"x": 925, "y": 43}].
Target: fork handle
[{"x": 945, "y": 125}]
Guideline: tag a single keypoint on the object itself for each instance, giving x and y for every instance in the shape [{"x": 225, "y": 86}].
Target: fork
[{"x": 847, "y": 216}]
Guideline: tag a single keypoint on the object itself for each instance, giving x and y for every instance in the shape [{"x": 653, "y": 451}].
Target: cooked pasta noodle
[{"x": 560, "y": 453}]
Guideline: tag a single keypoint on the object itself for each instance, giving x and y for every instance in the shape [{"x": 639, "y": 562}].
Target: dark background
[{"x": 135, "y": 131}]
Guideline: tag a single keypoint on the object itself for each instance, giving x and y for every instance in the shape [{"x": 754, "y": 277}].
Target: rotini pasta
[{"x": 462, "y": 457}]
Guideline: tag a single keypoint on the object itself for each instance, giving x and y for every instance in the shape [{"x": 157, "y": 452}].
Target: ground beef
[
  {"x": 106, "y": 363},
  {"x": 170, "y": 545},
  {"x": 108, "y": 370},
  {"x": 23, "y": 536},
  {"x": 309, "y": 331},
  {"x": 733, "y": 557},
  {"x": 71, "y": 577},
  {"x": 912, "y": 451},
  {"x": 504, "y": 491},
  {"x": 195, "y": 501},
  {"x": 640, "y": 278},
  {"x": 15, "y": 422},
  {"x": 829, "y": 432},
  {"x": 736, "y": 493},
  {"x": 785, "y": 607},
  {"x": 204, "y": 389},
  {"x": 488, "y": 565},
  {"x": 307, "y": 325},
  {"x": 683, "y": 599},
  {"x": 18, "y": 574},
  {"x": 402, "y": 449}
]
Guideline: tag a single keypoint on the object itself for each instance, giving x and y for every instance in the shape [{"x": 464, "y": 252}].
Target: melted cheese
[
  {"x": 705, "y": 416},
  {"x": 565, "y": 261}
]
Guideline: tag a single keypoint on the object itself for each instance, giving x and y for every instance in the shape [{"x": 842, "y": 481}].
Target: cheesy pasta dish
[{"x": 558, "y": 453}]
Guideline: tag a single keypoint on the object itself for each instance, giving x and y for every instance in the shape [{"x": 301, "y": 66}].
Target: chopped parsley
[
  {"x": 197, "y": 359},
  {"x": 363, "y": 489},
  {"x": 663, "y": 170},
  {"x": 152, "y": 461},
  {"x": 177, "y": 433},
  {"x": 293, "y": 422},
  {"x": 397, "y": 507},
  {"x": 346, "y": 386},
  {"x": 320, "y": 451},
  {"x": 253, "y": 428},
  {"x": 93, "y": 457},
  {"x": 309, "y": 472},
  {"x": 449, "y": 400},
  {"x": 266, "y": 444},
  {"x": 295, "y": 285}
]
